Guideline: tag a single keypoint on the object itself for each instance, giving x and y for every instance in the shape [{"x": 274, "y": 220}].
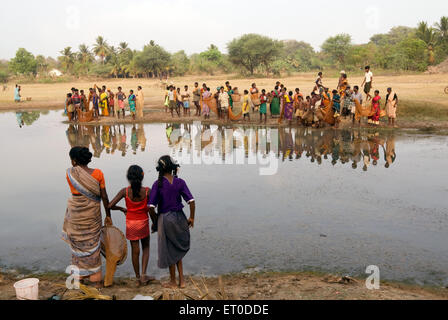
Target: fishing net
[{"x": 114, "y": 248}]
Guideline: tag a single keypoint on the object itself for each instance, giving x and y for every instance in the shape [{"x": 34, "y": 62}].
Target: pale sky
[{"x": 46, "y": 27}]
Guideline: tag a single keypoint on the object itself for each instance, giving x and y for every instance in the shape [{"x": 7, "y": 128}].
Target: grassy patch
[{"x": 422, "y": 111}]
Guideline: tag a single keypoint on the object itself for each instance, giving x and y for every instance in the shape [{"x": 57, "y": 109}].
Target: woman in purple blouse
[{"x": 171, "y": 223}]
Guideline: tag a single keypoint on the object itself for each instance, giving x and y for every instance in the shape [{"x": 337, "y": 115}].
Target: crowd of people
[
  {"x": 321, "y": 106},
  {"x": 101, "y": 102}
]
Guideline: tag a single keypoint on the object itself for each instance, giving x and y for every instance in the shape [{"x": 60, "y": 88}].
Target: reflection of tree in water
[{"x": 27, "y": 117}]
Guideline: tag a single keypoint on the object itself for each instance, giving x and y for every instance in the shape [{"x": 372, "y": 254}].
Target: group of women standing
[
  {"x": 83, "y": 221},
  {"x": 102, "y": 102}
]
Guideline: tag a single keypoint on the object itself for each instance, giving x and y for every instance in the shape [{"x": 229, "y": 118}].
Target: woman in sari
[
  {"x": 275, "y": 103},
  {"x": 17, "y": 93},
  {"x": 289, "y": 107},
  {"x": 254, "y": 96},
  {"x": 205, "y": 108},
  {"x": 140, "y": 102},
  {"x": 391, "y": 106},
  {"x": 375, "y": 117},
  {"x": 103, "y": 103},
  {"x": 83, "y": 222}
]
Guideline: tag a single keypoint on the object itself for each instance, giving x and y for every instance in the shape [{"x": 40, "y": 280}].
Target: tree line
[{"x": 402, "y": 48}]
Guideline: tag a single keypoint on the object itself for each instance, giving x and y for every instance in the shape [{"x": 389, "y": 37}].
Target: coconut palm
[
  {"x": 67, "y": 59},
  {"x": 123, "y": 47},
  {"x": 113, "y": 61},
  {"x": 442, "y": 29},
  {"x": 84, "y": 55},
  {"x": 101, "y": 48},
  {"x": 428, "y": 35}
]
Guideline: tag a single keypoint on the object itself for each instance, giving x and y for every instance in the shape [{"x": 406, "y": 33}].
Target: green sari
[{"x": 275, "y": 104}]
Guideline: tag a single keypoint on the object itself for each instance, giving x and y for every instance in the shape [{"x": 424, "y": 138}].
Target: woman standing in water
[
  {"x": 83, "y": 222},
  {"x": 172, "y": 224}
]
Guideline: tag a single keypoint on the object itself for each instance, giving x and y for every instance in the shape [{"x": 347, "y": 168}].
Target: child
[
  {"x": 172, "y": 224},
  {"x": 167, "y": 100},
  {"x": 137, "y": 220},
  {"x": 120, "y": 97},
  {"x": 180, "y": 101},
  {"x": 131, "y": 100},
  {"x": 263, "y": 106},
  {"x": 172, "y": 101},
  {"x": 186, "y": 100},
  {"x": 246, "y": 106},
  {"x": 336, "y": 107}
]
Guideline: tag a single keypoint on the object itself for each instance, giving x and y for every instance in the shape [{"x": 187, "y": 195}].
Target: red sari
[{"x": 375, "y": 117}]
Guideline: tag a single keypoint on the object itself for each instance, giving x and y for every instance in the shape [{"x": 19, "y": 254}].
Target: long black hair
[
  {"x": 135, "y": 177},
  {"x": 166, "y": 165}
]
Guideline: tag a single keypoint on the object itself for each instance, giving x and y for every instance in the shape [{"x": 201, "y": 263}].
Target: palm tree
[
  {"x": 84, "y": 54},
  {"x": 67, "y": 59},
  {"x": 442, "y": 29},
  {"x": 114, "y": 61},
  {"x": 123, "y": 47},
  {"x": 428, "y": 35},
  {"x": 101, "y": 48}
]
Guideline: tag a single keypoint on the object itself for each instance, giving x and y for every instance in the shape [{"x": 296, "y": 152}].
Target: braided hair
[{"x": 166, "y": 165}]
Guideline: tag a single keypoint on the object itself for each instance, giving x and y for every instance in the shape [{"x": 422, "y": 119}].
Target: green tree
[
  {"x": 337, "y": 48},
  {"x": 180, "y": 63},
  {"x": 300, "y": 55},
  {"x": 23, "y": 63},
  {"x": 67, "y": 59},
  {"x": 42, "y": 64},
  {"x": 442, "y": 29},
  {"x": 251, "y": 51},
  {"x": 101, "y": 48},
  {"x": 212, "y": 54},
  {"x": 153, "y": 60},
  {"x": 410, "y": 54},
  {"x": 393, "y": 37},
  {"x": 428, "y": 35}
]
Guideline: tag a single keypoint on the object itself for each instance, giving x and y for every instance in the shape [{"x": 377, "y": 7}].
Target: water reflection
[
  {"x": 358, "y": 148},
  {"x": 27, "y": 117}
]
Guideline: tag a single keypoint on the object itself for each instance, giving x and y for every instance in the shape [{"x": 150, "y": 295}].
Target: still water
[{"x": 337, "y": 201}]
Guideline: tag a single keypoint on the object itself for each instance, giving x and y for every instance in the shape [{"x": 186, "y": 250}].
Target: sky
[{"x": 47, "y": 26}]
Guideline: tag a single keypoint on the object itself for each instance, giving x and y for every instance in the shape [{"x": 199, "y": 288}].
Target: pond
[{"x": 272, "y": 199}]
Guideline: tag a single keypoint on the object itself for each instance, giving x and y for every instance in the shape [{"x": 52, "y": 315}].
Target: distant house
[{"x": 55, "y": 73}]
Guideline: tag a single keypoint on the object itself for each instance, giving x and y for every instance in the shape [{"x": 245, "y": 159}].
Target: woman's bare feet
[
  {"x": 169, "y": 285},
  {"x": 182, "y": 284}
]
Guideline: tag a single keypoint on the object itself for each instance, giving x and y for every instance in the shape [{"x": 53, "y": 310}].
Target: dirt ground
[{"x": 251, "y": 286}]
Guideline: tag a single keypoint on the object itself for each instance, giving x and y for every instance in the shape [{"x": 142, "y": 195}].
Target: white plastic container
[{"x": 27, "y": 289}]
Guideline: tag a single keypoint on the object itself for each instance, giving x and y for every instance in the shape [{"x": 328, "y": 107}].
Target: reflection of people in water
[
  {"x": 122, "y": 138},
  {"x": 141, "y": 137},
  {"x": 134, "y": 140},
  {"x": 20, "y": 119},
  {"x": 389, "y": 152}
]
